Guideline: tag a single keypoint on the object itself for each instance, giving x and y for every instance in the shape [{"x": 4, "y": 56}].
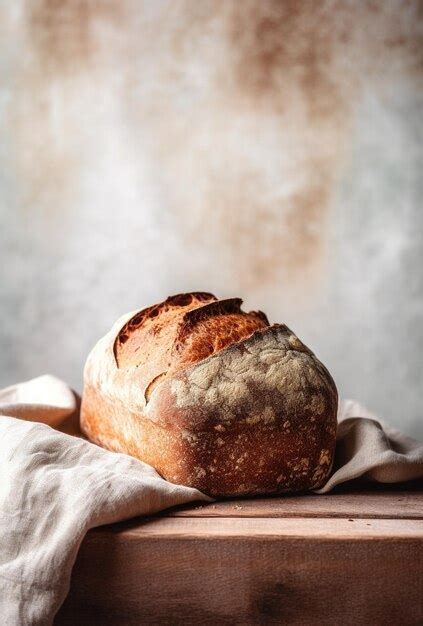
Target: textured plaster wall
[{"x": 268, "y": 149}]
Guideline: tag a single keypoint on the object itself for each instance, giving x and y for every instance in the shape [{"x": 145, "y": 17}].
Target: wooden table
[{"x": 347, "y": 558}]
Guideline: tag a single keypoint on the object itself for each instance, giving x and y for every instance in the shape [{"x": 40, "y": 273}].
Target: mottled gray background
[{"x": 268, "y": 149}]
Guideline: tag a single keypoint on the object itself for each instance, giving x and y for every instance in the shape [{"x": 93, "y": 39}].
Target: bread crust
[{"x": 257, "y": 416}]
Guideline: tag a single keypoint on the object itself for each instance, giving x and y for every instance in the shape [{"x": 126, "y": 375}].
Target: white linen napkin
[
  {"x": 367, "y": 448},
  {"x": 54, "y": 487}
]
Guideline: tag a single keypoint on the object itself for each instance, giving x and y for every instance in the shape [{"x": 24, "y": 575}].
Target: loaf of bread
[{"x": 212, "y": 397}]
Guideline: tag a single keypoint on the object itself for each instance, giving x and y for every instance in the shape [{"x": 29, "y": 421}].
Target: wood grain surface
[
  {"x": 338, "y": 559},
  {"x": 398, "y": 505}
]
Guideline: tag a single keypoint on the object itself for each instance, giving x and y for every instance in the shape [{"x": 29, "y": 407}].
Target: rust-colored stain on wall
[
  {"x": 242, "y": 112},
  {"x": 63, "y": 32}
]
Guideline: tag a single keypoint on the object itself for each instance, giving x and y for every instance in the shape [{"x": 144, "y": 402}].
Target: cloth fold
[
  {"x": 367, "y": 448},
  {"x": 54, "y": 487}
]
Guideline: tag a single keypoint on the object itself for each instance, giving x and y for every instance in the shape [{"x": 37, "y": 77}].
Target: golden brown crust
[
  {"x": 242, "y": 408},
  {"x": 180, "y": 331},
  {"x": 154, "y": 328}
]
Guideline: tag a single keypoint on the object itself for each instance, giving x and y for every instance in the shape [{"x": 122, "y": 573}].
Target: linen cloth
[{"x": 54, "y": 487}]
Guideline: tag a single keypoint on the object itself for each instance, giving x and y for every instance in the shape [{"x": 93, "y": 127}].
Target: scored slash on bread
[
  {"x": 184, "y": 329},
  {"x": 212, "y": 397}
]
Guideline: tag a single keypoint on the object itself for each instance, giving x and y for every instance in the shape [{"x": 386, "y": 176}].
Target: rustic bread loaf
[{"x": 213, "y": 398}]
